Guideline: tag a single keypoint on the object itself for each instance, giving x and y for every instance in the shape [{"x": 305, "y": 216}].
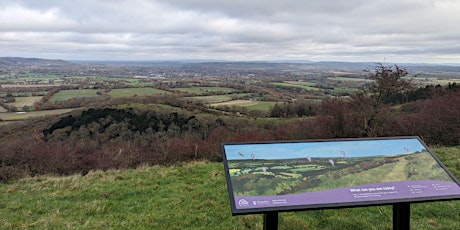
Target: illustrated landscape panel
[{"x": 302, "y": 175}]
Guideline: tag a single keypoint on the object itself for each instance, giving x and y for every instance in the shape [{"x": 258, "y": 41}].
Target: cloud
[
  {"x": 17, "y": 18},
  {"x": 421, "y": 30}
]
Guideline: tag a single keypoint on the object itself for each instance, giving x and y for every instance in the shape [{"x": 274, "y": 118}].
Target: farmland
[
  {"x": 193, "y": 106},
  {"x": 250, "y": 87},
  {"x": 138, "y": 146}
]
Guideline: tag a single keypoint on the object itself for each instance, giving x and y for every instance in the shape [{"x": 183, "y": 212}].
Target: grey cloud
[{"x": 238, "y": 29}]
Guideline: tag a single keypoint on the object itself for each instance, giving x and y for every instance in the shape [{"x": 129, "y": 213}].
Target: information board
[{"x": 301, "y": 175}]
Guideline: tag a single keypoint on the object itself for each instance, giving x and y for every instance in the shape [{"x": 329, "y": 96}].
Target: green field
[
  {"x": 261, "y": 105},
  {"x": 248, "y": 104},
  {"x": 353, "y": 79},
  {"x": 130, "y": 92},
  {"x": 65, "y": 95},
  {"x": 13, "y": 116},
  {"x": 213, "y": 98},
  {"x": 184, "y": 196},
  {"x": 203, "y": 90},
  {"x": 312, "y": 86},
  {"x": 218, "y": 98},
  {"x": 303, "y": 85}
]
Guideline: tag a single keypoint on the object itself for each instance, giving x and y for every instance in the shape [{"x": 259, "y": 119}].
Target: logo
[{"x": 243, "y": 202}]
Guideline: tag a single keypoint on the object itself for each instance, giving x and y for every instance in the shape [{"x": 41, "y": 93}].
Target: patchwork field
[{"x": 341, "y": 88}]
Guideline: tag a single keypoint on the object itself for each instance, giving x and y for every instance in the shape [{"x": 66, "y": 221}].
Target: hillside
[{"x": 184, "y": 196}]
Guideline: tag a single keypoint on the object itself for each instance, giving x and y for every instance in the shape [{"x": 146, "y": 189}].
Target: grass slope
[
  {"x": 185, "y": 196},
  {"x": 12, "y": 116}
]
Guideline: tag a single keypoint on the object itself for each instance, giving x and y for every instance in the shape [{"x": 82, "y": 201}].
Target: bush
[{"x": 437, "y": 120}]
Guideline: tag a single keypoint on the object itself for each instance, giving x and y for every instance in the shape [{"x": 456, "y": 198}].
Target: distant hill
[
  {"x": 32, "y": 62},
  {"x": 273, "y": 63},
  {"x": 419, "y": 69}
]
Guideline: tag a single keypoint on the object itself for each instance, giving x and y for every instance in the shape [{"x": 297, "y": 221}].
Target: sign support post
[
  {"x": 401, "y": 216},
  {"x": 271, "y": 221}
]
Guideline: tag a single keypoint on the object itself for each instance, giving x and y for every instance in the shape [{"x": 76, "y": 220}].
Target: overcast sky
[{"x": 319, "y": 30}]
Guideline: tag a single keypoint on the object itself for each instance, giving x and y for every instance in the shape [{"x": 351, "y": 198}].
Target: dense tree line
[
  {"x": 301, "y": 109},
  {"x": 294, "y": 109},
  {"x": 423, "y": 93},
  {"x": 106, "y": 122},
  {"x": 50, "y": 94}
]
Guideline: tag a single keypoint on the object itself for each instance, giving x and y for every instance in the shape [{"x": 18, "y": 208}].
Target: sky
[
  {"x": 332, "y": 149},
  {"x": 395, "y": 31}
]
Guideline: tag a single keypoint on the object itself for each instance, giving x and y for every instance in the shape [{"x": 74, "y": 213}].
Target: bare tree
[{"x": 369, "y": 101}]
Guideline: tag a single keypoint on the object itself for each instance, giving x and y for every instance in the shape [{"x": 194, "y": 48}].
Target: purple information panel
[{"x": 287, "y": 176}]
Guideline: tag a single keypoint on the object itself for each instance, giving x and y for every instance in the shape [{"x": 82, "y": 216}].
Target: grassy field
[
  {"x": 218, "y": 98},
  {"x": 303, "y": 85},
  {"x": 184, "y": 196},
  {"x": 25, "y": 101},
  {"x": 12, "y": 116},
  {"x": 129, "y": 92},
  {"x": 74, "y": 93},
  {"x": 202, "y": 90},
  {"x": 349, "y": 79},
  {"x": 213, "y": 98},
  {"x": 249, "y": 104},
  {"x": 312, "y": 86}
]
